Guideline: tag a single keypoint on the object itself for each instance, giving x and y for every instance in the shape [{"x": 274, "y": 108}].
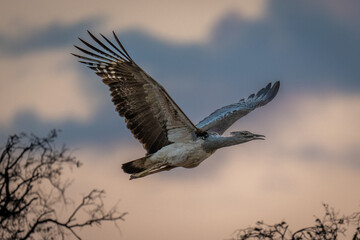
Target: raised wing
[
  {"x": 150, "y": 113},
  {"x": 223, "y": 118}
]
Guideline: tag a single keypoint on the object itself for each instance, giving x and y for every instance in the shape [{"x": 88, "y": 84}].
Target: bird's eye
[{"x": 204, "y": 135}]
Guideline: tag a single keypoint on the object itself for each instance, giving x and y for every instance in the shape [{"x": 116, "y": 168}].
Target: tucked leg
[{"x": 151, "y": 171}]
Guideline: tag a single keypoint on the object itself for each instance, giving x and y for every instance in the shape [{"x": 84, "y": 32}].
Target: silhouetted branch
[
  {"x": 31, "y": 186},
  {"x": 327, "y": 228}
]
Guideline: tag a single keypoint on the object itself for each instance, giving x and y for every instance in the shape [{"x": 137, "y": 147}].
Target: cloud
[
  {"x": 45, "y": 84},
  {"x": 309, "y": 128},
  {"x": 52, "y": 36},
  {"x": 345, "y": 11},
  {"x": 321, "y": 127},
  {"x": 178, "y": 21},
  {"x": 307, "y": 47}
]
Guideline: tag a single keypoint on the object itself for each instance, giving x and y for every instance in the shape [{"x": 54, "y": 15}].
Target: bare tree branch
[
  {"x": 31, "y": 186},
  {"x": 327, "y": 228}
]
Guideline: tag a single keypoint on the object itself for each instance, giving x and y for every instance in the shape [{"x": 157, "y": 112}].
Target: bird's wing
[
  {"x": 223, "y": 118},
  {"x": 150, "y": 113}
]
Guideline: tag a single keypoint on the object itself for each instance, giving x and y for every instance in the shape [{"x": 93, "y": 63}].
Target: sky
[{"x": 206, "y": 54}]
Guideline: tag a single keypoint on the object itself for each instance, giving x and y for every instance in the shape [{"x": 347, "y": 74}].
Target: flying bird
[{"x": 168, "y": 135}]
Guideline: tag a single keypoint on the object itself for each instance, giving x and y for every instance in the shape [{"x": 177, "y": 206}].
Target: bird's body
[
  {"x": 170, "y": 138},
  {"x": 188, "y": 154}
]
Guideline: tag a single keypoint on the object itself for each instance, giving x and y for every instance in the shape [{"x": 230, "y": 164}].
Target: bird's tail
[{"x": 136, "y": 166}]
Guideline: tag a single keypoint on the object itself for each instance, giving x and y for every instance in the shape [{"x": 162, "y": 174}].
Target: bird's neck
[{"x": 213, "y": 143}]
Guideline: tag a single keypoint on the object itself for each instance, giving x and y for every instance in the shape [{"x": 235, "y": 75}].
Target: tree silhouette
[
  {"x": 327, "y": 228},
  {"x": 32, "y": 191}
]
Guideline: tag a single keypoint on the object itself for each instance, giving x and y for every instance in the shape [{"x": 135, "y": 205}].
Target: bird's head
[{"x": 247, "y": 136}]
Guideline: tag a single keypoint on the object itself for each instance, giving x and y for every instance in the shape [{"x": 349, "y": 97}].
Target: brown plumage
[{"x": 149, "y": 111}]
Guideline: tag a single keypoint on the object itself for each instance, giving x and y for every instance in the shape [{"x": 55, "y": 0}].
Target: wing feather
[
  {"x": 223, "y": 118},
  {"x": 150, "y": 113}
]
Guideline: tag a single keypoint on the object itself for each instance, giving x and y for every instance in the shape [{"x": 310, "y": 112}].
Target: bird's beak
[{"x": 259, "y": 137}]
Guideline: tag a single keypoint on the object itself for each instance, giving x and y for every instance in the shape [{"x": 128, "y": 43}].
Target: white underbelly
[{"x": 187, "y": 154}]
